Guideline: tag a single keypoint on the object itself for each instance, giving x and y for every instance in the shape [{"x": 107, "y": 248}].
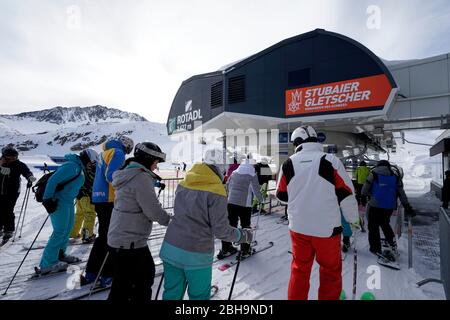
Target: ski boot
[
  {"x": 6, "y": 236},
  {"x": 88, "y": 278},
  {"x": 86, "y": 237},
  {"x": 393, "y": 249},
  {"x": 345, "y": 244},
  {"x": 389, "y": 255},
  {"x": 246, "y": 253},
  {"x": 74, "y": 240},
  {"x": 67, "y": 258},
  {"x": 105, "y": 281},
  {"x": 60, "y": 266},
  {"x": 226, "y": 253}
]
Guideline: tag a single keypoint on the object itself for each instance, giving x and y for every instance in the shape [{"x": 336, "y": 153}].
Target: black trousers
[
  {"x": 236, "y": 213},
  {"x": 379, "y": 218},
  {"x": 358, "y": 189},
  {"x": 134, "y": 274},
  {"x": 100, "y": 247},
  {"x": 7, "y": 204}
]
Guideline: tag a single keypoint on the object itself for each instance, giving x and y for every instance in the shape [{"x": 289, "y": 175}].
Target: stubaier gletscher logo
[
  {"x": 296, "y": 101},
  {"x": 353, "y": 95}
]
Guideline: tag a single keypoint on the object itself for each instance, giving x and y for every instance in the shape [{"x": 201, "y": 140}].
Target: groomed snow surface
[{"x": 263, "y": 276}]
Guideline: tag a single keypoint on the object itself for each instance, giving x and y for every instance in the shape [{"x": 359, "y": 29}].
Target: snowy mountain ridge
[
  {"x": 75, "y": 115},
  {"x": 58, "y": 131}
]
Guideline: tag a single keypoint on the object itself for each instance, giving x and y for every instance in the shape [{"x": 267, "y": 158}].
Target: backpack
[
  {"x": 384, "y": 190},
  {"x": 41, "y": 184}
]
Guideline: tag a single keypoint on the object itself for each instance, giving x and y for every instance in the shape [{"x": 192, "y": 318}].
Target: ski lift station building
[{"x": 324, "y": 79}]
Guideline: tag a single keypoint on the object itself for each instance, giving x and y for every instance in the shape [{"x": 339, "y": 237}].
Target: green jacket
[{"x": 361, "y": 174}]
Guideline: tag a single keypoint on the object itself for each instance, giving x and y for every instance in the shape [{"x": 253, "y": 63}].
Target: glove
[
  {"x": 160, "y": 185},
  {"x": 50, "y": 205},
  {"x": 409, "y": 211},
  {"x": 5, "y": 171},
  {"x": 246, "y": 236},
  {"x": 356, "y": 226},
  {"x": 31, "y": 180}
]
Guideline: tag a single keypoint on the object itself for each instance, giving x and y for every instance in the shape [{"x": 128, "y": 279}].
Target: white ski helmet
[
  {"x": 303, "y": 134},
  {"x": 127, "y": 144}
]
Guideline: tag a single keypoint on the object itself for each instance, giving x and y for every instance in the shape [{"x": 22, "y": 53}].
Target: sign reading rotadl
[{"x": 339, "y": 96}]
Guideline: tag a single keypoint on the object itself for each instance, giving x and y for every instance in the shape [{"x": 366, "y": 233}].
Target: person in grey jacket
[
  {"x": 200, "y": 214},
  {"x": 241, "y": 185},
  {"x": 383, "y": 186},
  {"x": 136, "y": 206}
]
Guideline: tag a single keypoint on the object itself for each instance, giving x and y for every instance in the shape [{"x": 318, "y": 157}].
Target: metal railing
[
  {"x": 444, "y": 240},
  {"x": 167, "y": 196}
]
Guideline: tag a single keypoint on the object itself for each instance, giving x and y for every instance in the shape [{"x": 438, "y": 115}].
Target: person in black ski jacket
[
  {"x": 384, "y": 187},
  {"x": 10, "y": 171},
  {"x": 446, "y": 190}
]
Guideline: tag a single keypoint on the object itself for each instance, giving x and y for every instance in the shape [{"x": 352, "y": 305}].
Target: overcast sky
[{"x": 134, "y": 54}]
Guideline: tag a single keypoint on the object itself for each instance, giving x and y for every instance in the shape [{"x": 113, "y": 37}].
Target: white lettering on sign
[{"x": 337, "y": 94}]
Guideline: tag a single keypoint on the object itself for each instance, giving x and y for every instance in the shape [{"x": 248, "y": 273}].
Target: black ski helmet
[
  {"x": 9, "y": 151},
  {"x": 147, "y": 152},
  {"x": 383, "y": 163}
]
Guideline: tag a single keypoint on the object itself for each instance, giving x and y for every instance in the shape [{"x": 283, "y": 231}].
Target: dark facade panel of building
[{"x": 257, "y": 85}]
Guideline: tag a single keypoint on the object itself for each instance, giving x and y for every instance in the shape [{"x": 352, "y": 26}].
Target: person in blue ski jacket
[
  {"x": 60, "y": 206},
  {"x": 109, "y": 161}
]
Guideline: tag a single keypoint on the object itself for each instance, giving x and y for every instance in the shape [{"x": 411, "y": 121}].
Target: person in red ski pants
[
  {"x": 317, "y": 190},
  {"x": 327, "y": 252}
]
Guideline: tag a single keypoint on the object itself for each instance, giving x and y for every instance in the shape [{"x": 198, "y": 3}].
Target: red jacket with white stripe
[{"x": 316, "y": 188}]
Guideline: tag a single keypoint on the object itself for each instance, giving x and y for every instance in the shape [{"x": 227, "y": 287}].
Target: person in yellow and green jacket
[
  {"x": 362, "y": 172},
  {"x": 85, "y": 211},
  {"x": 200, "y": 215}
]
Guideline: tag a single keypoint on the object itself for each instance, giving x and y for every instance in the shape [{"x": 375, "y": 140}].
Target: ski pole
[
  {"x": 355, "y": 267},
  {"x": 235, "y": 274},
  {"x": 23, "y": 260},
  {"x": 24, "y": 212},
  {"x": 410, "y": 253},
  {"x": 20, "y": 215},
  {"x": 256, "y": 228},
  {"x": 159, "y": 286},
  {"x": 91, "y": 289}
]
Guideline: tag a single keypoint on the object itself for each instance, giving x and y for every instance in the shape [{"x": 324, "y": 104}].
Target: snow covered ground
[{"x": 263, "y": 276}]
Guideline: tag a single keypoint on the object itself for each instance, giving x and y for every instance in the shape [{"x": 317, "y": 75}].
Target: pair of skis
[{"x": 228, "y": 265}]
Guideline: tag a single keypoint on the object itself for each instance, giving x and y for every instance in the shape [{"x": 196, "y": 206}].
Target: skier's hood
[
  {"x": 246, "y": 168},
  {"x": 122, "y": 177},
  {"x": 202, "y": 177},
  {"x": 112, "y": 144},
  {"x": 73, "y": 158}
]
